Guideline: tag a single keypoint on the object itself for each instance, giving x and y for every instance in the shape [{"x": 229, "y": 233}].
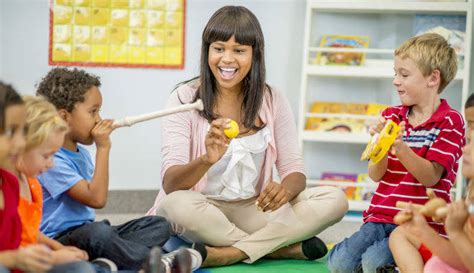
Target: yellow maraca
[{"x": 233, "y": 130}]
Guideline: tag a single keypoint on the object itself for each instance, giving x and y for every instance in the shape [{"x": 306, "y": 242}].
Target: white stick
[{"x": 129, "y": 121}]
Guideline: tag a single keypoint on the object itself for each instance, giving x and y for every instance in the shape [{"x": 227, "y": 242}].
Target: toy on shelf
[
  {"x": 380, "y": 143},
  {"x": 129, "y": 121}
]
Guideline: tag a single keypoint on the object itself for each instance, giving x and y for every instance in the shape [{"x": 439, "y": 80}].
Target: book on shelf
[
  {"x": 342, "y": 58},
  {"x": 342, "y": 177},
  {"x": 451, "y": 27},
  {"x": 342, "y": 125},
  {"x": 364, "y": 193}
]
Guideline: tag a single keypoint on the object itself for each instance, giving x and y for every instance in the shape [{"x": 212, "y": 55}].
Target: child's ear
[
  {"x": 435, "y": 78},
  {"x": 63, "y": 113}
]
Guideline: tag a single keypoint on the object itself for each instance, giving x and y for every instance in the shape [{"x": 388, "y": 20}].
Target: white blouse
[{"x": 235, "y": 175}]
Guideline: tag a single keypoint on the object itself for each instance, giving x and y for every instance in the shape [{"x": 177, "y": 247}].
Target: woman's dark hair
[
  {"x": 241, "y": 23},
  {"x": 8, "y": 97}
]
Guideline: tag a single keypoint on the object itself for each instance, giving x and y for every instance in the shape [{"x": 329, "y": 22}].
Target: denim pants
[
  {"x": 76, "y": 267},
  {"x": 127, "y": 245},
  {"x": 365, "y": 250}
]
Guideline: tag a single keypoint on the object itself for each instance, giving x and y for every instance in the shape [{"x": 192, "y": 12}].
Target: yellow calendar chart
[{"x": 124, "y": 33}]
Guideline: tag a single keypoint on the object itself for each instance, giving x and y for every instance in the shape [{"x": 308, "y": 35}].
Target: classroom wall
[{"x": 135, "y": 157}]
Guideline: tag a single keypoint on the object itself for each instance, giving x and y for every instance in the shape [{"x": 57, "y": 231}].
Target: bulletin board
[{"x": 117, "y": 33}]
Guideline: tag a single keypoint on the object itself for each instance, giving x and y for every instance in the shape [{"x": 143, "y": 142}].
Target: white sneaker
[
  {"x": 106, "y": 264},
  {"x": 183, "y": 259}
]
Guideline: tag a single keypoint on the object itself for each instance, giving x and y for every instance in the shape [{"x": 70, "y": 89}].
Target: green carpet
[{"x": 272, "y": 266}]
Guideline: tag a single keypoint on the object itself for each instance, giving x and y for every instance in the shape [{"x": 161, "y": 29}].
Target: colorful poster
[{"x": 117, "y": 33}]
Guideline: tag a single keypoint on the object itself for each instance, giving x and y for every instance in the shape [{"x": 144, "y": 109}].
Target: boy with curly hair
[{"x": 74, "y": 187}]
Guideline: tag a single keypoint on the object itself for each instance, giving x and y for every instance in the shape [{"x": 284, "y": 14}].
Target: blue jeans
[
  {"x": 4, "y": 269},
  {"x": 365, "y": 250},
  {"x": 76, "y": 267},
  {"x": 127, "y": 245}
]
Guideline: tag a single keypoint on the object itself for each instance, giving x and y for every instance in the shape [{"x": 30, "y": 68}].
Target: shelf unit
[{"x": 388, "y": 24}]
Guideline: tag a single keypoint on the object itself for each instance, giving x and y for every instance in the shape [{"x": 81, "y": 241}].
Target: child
[
  {"x": 409, "y": 252},
  {"x": 424, "y": 155},
  {"x": 73, "y": 187},
  {"x": 34, "y": 257},
  {"x": 469, "y": 112},
  {"x": 448, "y": 256},
  {"x": 460, "y": 221}
]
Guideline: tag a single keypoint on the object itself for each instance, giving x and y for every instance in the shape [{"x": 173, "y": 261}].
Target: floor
[{"x": 123, "y": 206}]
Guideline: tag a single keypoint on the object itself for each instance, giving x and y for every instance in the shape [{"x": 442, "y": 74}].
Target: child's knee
[
  {"x": 376, "y": 257},
  {"x": 98, "y": 234},
  {"x": 341, "y": 261},
  {"x": 396, "y": 237}
]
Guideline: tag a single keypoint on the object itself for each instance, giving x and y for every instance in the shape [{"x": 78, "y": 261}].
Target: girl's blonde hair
[{"x": 42, "y": 120}]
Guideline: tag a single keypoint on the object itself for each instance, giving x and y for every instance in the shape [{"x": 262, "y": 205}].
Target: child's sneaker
[
  {"x": 105, "y": 264},
  {"x": 153, "y": 263},
  {"x": 183, "y": 260}
]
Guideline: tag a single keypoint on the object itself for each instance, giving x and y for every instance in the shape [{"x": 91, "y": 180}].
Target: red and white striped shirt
[{"x": 439, "y": 139}]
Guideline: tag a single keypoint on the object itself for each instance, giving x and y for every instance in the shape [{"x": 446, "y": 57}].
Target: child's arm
[
  {"x": 51, "y": 243},
  {"x": 455, "y": 221},
  {"x": 439, "y": 246},
  {"x": 94, "y": 193},
  {"x": 426, "y": 172},
  {"x": 34, "y": 258},
  {"x": 377, "y": 170}
]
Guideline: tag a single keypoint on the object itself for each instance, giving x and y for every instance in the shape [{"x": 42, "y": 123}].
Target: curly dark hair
[
  {"x": 8, "y": 97},
  {"x": 64, "y": 87}
]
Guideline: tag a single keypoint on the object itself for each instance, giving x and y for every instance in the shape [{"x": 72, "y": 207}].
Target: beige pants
[{"x": 240, "y": 224}]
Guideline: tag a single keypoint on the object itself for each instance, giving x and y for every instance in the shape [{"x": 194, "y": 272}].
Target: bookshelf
[{"x": 388, "y": 24}]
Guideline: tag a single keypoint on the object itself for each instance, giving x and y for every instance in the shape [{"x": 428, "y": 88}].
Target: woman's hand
[
  {"x": 273, "y": 197},
  {"x": 34, "y": 258},
  {"x": 456, "y": 217},
  {"x": 216, "y": 141}
]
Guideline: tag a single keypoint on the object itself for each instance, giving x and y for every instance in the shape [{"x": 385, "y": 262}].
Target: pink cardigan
[{"x": 183, "y": 136}]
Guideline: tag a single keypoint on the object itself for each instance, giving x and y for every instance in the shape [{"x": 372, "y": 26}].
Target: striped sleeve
[{"x": 447, "y": 148}]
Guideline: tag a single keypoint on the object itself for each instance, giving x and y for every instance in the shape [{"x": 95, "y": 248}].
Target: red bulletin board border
[{"x": 125, "y": 65}]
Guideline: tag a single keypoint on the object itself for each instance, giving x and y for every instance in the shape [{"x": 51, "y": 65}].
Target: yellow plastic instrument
[
  {"x": 232, "y": 131},
  {"x": 380, "y": 143}
]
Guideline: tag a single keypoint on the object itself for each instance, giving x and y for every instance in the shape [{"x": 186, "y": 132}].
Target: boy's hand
[
  {"x": 216, "y": 141},
  {"x": 101, "y": 133},
  {"x": 378, "y": 126},
  {"x": 34, "y": 258},
  {"x": 456, "y": 217},
  {"x": 399, "y": 144},
  {"x": 272, "y": 197}
]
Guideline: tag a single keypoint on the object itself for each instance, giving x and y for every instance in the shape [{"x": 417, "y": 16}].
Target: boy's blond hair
[
  {"x": 431, "y": 51},
  {"x": 42, "y": 120}
]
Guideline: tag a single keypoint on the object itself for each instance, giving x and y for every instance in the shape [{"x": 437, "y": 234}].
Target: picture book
[
  {"x": 364, "y": 193},
  {"x": 342, "y": 58},
  {"x": 342, "y": 177},
  {"x": 343, "y": 125},
  {"x": 451, "y": 27}
]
